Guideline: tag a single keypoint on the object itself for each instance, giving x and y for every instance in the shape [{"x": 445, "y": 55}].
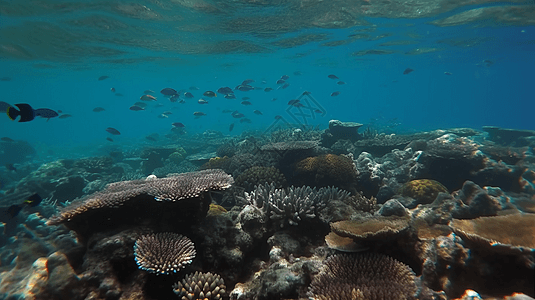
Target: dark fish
[
  {"x": 199, "y": 114},
  {"x": 109, "y": 139},
  {"x": 98, "y": 109},
  {"x": 298, "y": 73},
  {"x": 281, "y": 81},
  {"x": 245, "y": 98},
  {"x": 237, "y": 115},
  {"x": 226, "y": 111},
  {"x": 178, "y": 124},
  {"x": 103, "y": 77},
  {"x": 181, "y": 101},
  {"x": 318, "y": 111},
  {"x": 285, "y": 77},
  {"x": 14, "y": 210},
  {"x": 5, "y": 79},
  {"x": 231, "y": 127},
  {"x": 278, "y": 117},
  {"x": 209, "y": 94},
  {"x": 268, "y": 89},
  {"x": 245, "y": 120},
  {"x": 188, "y": 95},
  {"x": 33, "y": 200},
  {"x": 193, "y": 88},
  {"x": 174, "y": 98},
  {"x": 246, "y": 103},
  {"x": 340, "y": 82},
  {"x": 256, "y": 111},
  {"x": 112, "y": 90},
  {"x": 293, "y": 102},
  {"x": 168, "y": 92},
  {"x": 7, "y": 139},
  {"x": 230, "y": 96},
  {"x": 151, "y": 138},
  {"x": 245, "y": 88},
  {"x": 113, "y": 131},
  {"x": 306, "y": 93},
  {"x": 487, "y": 62},
  {"x": 11, "y": 167},
  {"x": 64, "y": 116},
  {"x": 447, "y": 73},
  {"x": 46, "y": 113},
  {"x": 334, "y": 94},
  {"x": 119, "y": 95},
  {"x": 407, "y": 71},
  {"x": 25, "y": 111},
  {"x": 224, "y": 90},
  {"x": 4, "y": 106},
  {"x": 202, "y": 101},
  {"x": 332, "y": 76},
  {"x": 148, "y": 92},
  {"x": 299, "y": 104},
  {"x": 136, "y": 108},
  {"x": 247, "y": 81},
  {"x": 285, "y": 85},
  {"x": 273, "y": 99},
  {"x": 167, "y": 112}
]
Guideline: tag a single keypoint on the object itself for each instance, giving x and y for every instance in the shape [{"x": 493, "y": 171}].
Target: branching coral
[
  {"x": 365, "y": 276},
  {"x": 163, "y": 253},
  {"x": 292, "y": 204}
]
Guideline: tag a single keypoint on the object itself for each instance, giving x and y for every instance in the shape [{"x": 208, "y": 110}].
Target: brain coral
[
  {"x": 423, "y": 190},
  {"x": 327, "y": 170},
  {"x": 255, "y": 176}
]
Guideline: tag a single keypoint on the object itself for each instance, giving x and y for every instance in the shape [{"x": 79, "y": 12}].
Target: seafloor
[{"x": 291, "y": 214}]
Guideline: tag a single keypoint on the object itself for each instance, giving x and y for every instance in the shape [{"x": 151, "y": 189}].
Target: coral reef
[
  {"x": 363, "y": 276},
  {"x": 163, "y": 253},
  {"x": 200, "y": 286}
]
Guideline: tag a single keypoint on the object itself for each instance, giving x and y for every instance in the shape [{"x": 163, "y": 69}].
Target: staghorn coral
[
  {"x": 182, "y": 186},
  {"x": 327, "y": 170},
  {"x": 367, "y": 276},
  {"x": 292, "y": 204},
  {"x": 261, "y": 175},
  {"x": 200, "y": 286},
  {"x": 163, "y": 253}
]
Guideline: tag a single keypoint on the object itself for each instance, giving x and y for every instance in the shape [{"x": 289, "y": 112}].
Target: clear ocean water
[{"x": 53, "y": 52}]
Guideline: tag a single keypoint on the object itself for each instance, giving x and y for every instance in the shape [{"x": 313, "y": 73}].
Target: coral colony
[{"x": 328, "y": 215}]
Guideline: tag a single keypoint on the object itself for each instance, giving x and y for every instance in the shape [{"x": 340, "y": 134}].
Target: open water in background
[{"x": 54, "y": 57}]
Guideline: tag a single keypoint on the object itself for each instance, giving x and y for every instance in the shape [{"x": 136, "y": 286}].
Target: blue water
[{"x": 376, "y": 90}]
